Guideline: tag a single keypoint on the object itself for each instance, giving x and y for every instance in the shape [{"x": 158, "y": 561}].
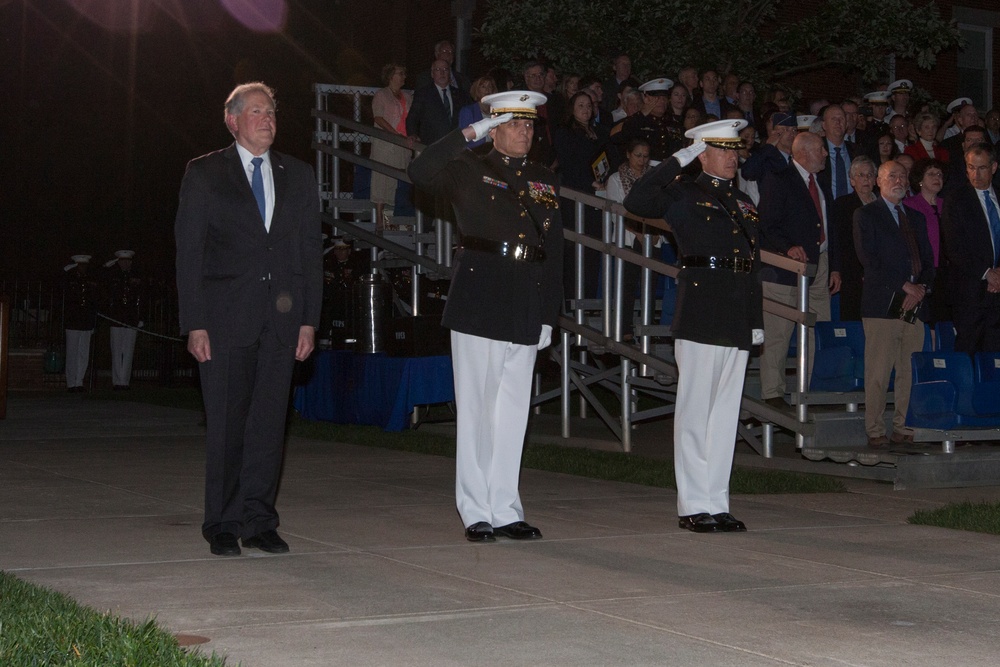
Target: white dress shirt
[{"x": 266, "y": 174}]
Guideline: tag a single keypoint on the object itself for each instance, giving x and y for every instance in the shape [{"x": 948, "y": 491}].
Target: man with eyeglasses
[{"x": 445, "y": 50}]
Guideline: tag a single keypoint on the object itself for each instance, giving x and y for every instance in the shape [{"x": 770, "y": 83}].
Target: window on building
[{"x": 975, "y": 65}]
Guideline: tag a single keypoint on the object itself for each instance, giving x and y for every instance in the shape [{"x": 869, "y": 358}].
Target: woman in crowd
[
  {"x": 678, "y": 103},
  {"x": 925, "y": 147},
  {"x": 885, "y": 148},
  {"x": 389, "y": 106},
  {"x": 471, "y": 113},
  {"x": 580, "y": 146},
  {"x": 862, "y": 176},
  {"x": 636, "y": 164},
  {"x": 927, "y": 179}
]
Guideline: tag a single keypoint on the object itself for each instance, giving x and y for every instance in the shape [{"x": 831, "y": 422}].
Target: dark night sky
[{"x": 98, "y": 124}]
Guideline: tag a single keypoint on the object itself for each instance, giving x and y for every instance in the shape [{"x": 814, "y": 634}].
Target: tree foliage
[{"x": 746, "y": 36}]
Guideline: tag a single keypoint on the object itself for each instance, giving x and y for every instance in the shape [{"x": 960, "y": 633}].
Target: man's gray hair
[
  {"x": 237, "y": 99},
  {"x": 859, "y": 162}
]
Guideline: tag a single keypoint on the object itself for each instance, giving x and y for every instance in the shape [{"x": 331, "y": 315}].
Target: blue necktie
[
  {"x": 841, "y": 173},
  {"x": 257, "y": 185},
  {"x": 994, "y": 218}
]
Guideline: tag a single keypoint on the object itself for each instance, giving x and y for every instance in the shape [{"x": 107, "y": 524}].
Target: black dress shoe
[
  {"x": 519, "y": 530},
  {"x": 729, "y": 524},
  {"x": 267, "y": 541},
  {"x": 699, "y": 523},
  {"x": 480, "y": 532},
  {"x": 224, "y": 544}
]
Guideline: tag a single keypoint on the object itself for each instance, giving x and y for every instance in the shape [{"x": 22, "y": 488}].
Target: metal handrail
[{"x": 615, "y": 254}]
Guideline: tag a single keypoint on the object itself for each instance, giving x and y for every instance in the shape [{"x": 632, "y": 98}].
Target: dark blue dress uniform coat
[
  {"x": 492, "y": 296},
  {"x": 710, "y": 218}
]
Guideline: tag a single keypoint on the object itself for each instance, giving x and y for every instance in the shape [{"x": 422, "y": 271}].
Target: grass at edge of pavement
[
  {"x": 39, "y": 626},
  {"x": 981, "y": 517}
]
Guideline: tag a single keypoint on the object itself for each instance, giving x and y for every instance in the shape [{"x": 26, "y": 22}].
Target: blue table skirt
[{"x": 350, "y": 388}]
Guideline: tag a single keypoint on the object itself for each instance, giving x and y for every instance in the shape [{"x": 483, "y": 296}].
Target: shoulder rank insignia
[
  {"x": 494, "y": 182},
  {"x": 543, "y": 193}
]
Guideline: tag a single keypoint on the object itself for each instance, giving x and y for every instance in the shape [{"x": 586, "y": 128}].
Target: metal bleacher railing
[{"x": 592, "y": 328}]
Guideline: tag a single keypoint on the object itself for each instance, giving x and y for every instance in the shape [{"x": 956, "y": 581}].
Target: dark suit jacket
[
  {"x": 851, "y": 270},
  {"x": 762, "y": 160},
  {"x": 788, "y": 218},
  {"x": 825, "y": 177},
  {"x": 882, "y": 250},
  {"x": 233, "y": 276},
  {"x": 969, "y": 249},
  {"x": 428, "y": 118},
  {"x": 714, "y": 306},
  {"x": 699, "y": 104}
]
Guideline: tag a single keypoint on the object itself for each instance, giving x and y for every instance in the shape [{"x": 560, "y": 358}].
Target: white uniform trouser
[
  {"x": 122, "y": 347},
  {"x": 77, "y": 356},
  {"x": 493, "y": 397},
  {"x": 709, "y": 391}
]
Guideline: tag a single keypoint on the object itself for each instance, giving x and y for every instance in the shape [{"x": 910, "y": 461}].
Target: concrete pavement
[{"x": 102, "y": 500}]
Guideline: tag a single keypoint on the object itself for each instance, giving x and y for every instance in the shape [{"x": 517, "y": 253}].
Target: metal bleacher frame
[{"x": 593, "y": 328}]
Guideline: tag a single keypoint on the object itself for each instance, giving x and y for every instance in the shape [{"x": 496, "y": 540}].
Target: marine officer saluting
[
  {"x": 504, "y": 300},
  {"x": 719, "y": 313}
]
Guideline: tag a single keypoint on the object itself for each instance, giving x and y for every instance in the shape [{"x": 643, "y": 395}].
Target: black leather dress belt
[
  {"x": 735, "y": 264},
  {"x": 521, "y": 252}
]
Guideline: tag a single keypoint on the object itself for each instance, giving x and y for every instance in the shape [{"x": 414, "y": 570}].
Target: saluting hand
[{"x": 482, "y": 127}]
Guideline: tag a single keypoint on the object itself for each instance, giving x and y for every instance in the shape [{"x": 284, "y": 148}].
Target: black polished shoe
[
  {"x": 699, "y": 523},
  {"x": 519, "y": 530},
  {"x": 267, "y": 541},
  {"x": 480, "y": 532},
  {"x": 729, "y": 524},
  {"x": 224, "y": 544}
]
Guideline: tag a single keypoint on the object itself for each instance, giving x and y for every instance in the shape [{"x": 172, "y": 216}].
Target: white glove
[
  {"x": 140, "y": 324},
  {"x": 757, "y": 337},
  {"x": 546, "y": 338},
  {"x": 687, "y": 155},
  {"x": 483, "y": 127}
]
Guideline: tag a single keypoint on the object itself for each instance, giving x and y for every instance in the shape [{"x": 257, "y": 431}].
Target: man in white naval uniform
[
  {"x": 505, "y": 299},
  {"x": 719, "y": 313}
]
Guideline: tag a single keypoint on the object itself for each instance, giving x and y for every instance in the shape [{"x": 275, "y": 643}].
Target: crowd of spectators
[{"x": 596, "y": 130}]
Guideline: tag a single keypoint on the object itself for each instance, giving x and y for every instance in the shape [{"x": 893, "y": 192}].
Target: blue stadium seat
[
  {"x": 840, "y": 357},
  {"x": 946, "y": 395},
  {"x": 987, "y": 371},
  {"x": 944, "y": 337}
]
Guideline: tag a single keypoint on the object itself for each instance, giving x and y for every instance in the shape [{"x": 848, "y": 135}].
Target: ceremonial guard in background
[
  {"x": 653, "y": 122},
  {"x": 505, "y": 299},
  {"x": 719, "y": 313},
  {"x": 124, "y": 292},
  {"x": 80, "y": 318}
]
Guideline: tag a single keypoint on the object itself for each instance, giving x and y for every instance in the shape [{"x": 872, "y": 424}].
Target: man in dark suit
[
  {"x": 971, "y": 225},
  {"x": 505, "y": 299},
  {"x": 835, "y": 176},
  {"x": 718, "y": 316},
  {"x": 777, "y": 152},
  {"x": 795, "y": 215},
  {"x": 249, "y": 283},
  {"x": 434, "y": 112},
  {"x": 892, "y": 244},
  {"x": 955, "y": 177}
]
